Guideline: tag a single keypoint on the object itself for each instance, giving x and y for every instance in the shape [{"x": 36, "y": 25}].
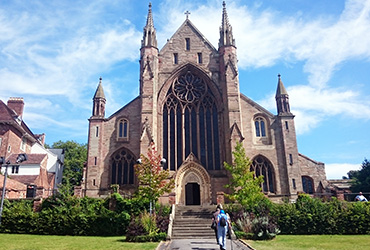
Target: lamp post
[{"x": 20, "y": 158}]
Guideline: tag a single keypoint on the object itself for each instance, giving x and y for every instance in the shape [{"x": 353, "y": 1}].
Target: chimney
[
  {"x": 16, "y": 104},
  {"x": 41, "y": 138}
]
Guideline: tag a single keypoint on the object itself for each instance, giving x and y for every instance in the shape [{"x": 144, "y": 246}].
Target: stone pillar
[
  {"x": 77, "y": 190},
  {"x": 172, "y": 198},
  {"x": 340, "y": 195}
]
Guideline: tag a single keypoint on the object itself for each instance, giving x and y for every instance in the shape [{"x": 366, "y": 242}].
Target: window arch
[
  {"x": 260, "y": 127},
  {"x": 191, "y": 123},
  {"x": 122, "y": 167},
  {"x": 307, "y": 183},
  {"x": 122, "y": 130},
  {"x": 262, "y": 166}
]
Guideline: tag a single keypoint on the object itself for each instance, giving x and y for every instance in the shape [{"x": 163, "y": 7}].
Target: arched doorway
[
  {"x": 192, "y": 194},
  {"x": 192, "y": 183}
]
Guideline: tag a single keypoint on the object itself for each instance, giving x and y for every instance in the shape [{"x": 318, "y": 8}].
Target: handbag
[{"x": 214, "y": 225}]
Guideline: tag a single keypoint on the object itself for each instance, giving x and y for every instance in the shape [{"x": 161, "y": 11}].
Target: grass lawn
[
  {"x": 314, "y": 242},
  {"x": 43, "y": 242}
]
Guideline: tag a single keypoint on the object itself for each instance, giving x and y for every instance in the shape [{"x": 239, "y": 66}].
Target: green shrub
[{"x": 313, "y": 216}]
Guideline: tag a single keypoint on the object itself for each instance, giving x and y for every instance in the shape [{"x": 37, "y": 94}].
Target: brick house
[
  {"x": 190, "y": 106},
  {"x": 42, "y": 172}
]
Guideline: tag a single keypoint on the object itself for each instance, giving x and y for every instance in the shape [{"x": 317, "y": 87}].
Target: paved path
[{"x": 199, "y": 244}]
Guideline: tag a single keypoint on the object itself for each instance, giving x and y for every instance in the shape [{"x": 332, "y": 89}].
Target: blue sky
[{"x": 52, "y": 54}]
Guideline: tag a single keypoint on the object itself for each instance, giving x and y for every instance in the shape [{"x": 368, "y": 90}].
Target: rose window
[{"x": 189, "y": 88}]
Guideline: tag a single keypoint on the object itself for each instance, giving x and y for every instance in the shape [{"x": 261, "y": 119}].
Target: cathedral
[{"x": 191, "y": 109}]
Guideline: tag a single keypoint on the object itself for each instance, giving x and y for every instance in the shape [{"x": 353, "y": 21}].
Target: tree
[
  {"x": 361, "y": 178},
  {"x": 75, "y": 156},
  {"x": 153, "y": 180},
  {"x": 244, "y": 187}
]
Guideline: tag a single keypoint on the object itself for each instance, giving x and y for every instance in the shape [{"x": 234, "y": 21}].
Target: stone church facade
[{"x": 191, "y": 108}]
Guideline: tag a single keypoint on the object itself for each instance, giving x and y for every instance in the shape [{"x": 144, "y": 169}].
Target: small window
[
  {"x": 94, "y": 183},
  {"x": 15, "y": 169},
  {"x": 175, "y": 58},
  {"x": 286, "y": 125},
  {"x": 95, "y": 160},
  {"x": 23, "y": 143},
  {"x": 9, "y": 148},
  {"x": 123, "y": 129},
  {"x": 290, "y": 159},
  {"x": 187, "y": 43},
  {"x": 97, "y": 132},
  {"x": 200, "y": 59},
  {"x": 1, "y": 140},
  {"x": 294, "y": 185},
  {"x": 260, "y": 127}
]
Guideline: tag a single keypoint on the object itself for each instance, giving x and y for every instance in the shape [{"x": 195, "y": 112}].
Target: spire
[
  {"x": 226, "y": 31},
  {"x": 99, "y": 91},
  {"x": 280, "y": 89},
  {"x": 149, "y": 37},
  {"x": 282, "y": 98},
  {"x": 99, "y": 101}
]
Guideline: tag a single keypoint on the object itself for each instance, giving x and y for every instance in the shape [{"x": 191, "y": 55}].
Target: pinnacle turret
[
  {"x": 282, "y": 98},
  {"x": 99, "y": 93},
  {"x": 149, "y": 36},
  {"x": 99, "y": 101},
  {"x": 226, "y": 31}
]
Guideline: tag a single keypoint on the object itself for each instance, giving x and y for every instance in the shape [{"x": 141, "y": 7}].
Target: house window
[
  {"x": 15, "y": 169},
  {"x": 9, "y": 148},
  {"x": 286, "y": 125},
  {"x": 122, "y": 167},
  {"x": 187, "y": 43},
  {"x": 307, "y": 183},
  {"x": 200, "y": 59},
  {"x": 123, "y": 129},
  {"x": 294, "y": 185},
  {"x": 95, "y": 160},
  {"x": 262, "y": 166},
  {"x": 23, "y": 143},
  {"x": 1, "y": 140},
  {"x": 175, "y": 58},
  {"x": 97, "y": 132},
  {"x": 259, "y": 124},
  {"x": 290, "y": 159}
]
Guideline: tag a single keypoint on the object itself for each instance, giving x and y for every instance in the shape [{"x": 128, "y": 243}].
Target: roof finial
[
  {"x": 187, "y": 13},
  {"x": 100, "y": 78},
  {"x": 279, "y": 75}
]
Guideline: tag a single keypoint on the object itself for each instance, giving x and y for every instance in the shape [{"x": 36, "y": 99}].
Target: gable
[{"x": 189, "y": 45}]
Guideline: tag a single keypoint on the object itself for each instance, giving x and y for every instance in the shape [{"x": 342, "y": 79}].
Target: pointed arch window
[
  {"x": 307, "y": 183},
  {"x": 122, "y": 130},
  {"x": 262, "y": 166},
  {"x": 260, "y": 127},
  {"x": 191, "y": 123},
  {"x": 122, "y": 167}
]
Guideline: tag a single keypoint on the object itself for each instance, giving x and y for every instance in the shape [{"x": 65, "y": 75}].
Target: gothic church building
[{"x": 191, "y": 108}]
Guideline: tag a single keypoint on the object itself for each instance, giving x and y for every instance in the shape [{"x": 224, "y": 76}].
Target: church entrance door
[{"x": 192, "y": 194}]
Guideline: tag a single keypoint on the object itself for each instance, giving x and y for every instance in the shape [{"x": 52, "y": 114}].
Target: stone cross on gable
[{"x": 187, "y": 13}]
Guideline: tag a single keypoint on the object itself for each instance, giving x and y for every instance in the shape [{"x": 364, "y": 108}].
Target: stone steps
[{"x": 193, "y": 222}]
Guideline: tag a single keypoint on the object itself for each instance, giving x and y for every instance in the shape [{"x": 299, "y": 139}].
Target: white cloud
[{"x": 338, "y": 170}]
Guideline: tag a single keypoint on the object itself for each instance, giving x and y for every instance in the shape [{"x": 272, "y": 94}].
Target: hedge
[{"x": 312, "y": 216}]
